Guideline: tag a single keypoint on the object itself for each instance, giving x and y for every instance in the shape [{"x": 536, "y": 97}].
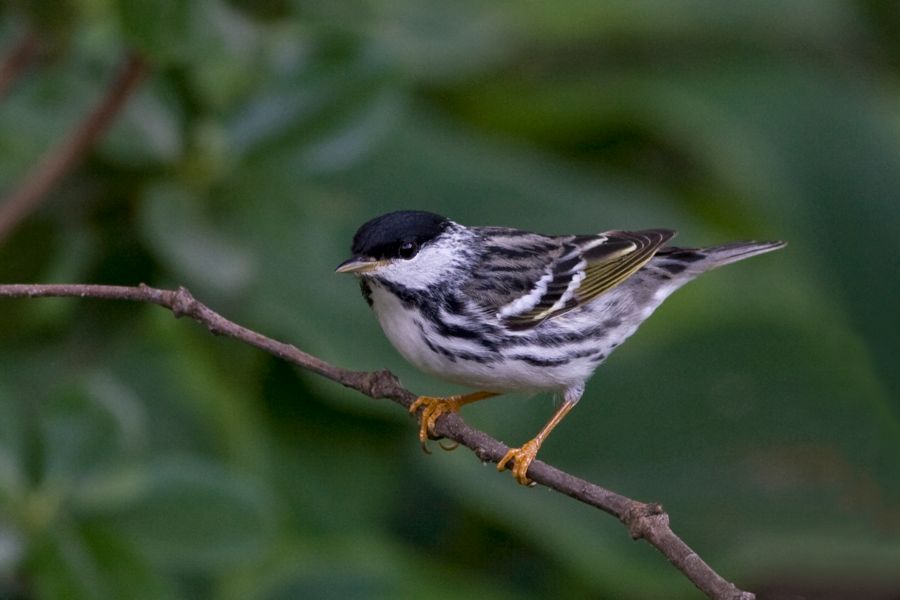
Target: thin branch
[
  {"x": 63, "y": 158},
  {"x": 17, "y": 61},
  {"x": 644, "y": 521}
]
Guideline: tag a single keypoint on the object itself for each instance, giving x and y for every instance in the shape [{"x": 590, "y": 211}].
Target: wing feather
[{"x": 586, "y": 267}]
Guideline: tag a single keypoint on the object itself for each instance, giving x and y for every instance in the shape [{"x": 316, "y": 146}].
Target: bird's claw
[
  {"x": 522, "y": 459},
  {"x": 432, "y": 409}
]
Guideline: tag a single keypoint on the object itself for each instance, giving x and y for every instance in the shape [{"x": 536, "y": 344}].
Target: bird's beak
[{"x": 358, "y": 265}]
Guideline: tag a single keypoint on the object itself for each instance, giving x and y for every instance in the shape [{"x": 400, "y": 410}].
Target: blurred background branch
[
  {"x": 61, "y": 159},
  {"x": 644, "y": 521},
  {"x": 17, "y": 60}
]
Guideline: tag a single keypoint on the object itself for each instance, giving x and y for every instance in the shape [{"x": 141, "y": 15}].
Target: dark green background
[{"x": 141, "y": 457}]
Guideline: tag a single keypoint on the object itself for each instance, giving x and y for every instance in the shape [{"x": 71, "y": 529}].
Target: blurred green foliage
[{"x": 141, "y": 457}]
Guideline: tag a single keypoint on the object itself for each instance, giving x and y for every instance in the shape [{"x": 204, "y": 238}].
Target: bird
[{"x": 502, "y": 310}]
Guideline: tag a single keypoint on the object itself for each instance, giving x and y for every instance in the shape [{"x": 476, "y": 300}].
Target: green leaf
[
  {"x": 148, "y": 131},
  {"x": 721, "y": 23},
  {"x": 13, "y": 436},
  {"x": 41, "y": 110},
  {"x": 93, "y": 563},
  {"x": 344, "y": 567},
  {"x": 441, "y": 42},
  {"x": 157, "y": 28},
  {"x": 176, "y": 227},
  {"x": 193, "y": 515}
]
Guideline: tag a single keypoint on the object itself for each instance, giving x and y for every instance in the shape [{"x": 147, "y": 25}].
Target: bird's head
[{"x": 415, "y": 249}]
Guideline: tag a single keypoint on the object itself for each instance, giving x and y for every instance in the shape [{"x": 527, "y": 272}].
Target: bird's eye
[{"x": 408, "y": 250}]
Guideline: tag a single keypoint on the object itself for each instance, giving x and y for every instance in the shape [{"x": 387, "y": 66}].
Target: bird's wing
[{"x": 575, "y": 270}]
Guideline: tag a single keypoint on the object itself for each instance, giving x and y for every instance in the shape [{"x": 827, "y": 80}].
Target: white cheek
[{"x": 426, "y": 269}]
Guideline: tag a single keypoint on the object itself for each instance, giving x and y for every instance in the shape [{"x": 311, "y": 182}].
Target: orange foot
[
  {"x": 522, "y": 459},
  {"x": 433, "y": 408}
]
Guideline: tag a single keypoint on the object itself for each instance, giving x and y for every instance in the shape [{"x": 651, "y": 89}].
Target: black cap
[{"x": 382, "y": 236}]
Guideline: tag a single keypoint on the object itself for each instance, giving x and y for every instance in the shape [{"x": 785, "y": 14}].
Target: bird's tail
[{"x": 697, "y": 260}]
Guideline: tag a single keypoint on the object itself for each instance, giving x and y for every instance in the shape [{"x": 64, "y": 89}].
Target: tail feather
[{"x": 703, "y": 259}]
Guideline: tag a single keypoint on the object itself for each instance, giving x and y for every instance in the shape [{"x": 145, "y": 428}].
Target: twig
[
  {"x": 16, "y": 61},
  {"x": 63, "y": 158},
  {"x": 644, "y": 521}
]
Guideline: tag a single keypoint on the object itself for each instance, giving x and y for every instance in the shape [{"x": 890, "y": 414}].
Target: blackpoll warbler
[{"x": 503, "y": 310}]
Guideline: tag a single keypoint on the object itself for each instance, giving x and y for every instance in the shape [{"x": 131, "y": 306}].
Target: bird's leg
[
  {"x": 522, "y": 457},
  {"x": 432, "y": 408}
]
